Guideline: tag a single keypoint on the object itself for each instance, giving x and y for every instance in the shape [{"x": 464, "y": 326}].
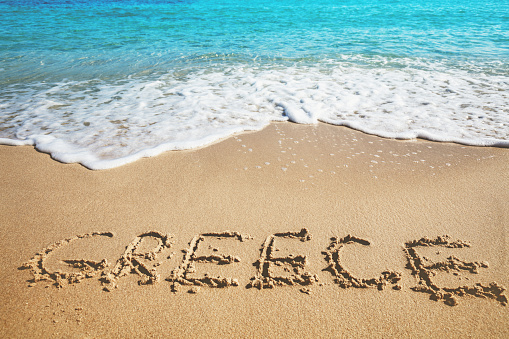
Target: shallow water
[{"x": 104, "y": 84}]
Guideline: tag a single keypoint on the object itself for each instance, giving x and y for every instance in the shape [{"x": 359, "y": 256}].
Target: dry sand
[{"x": 264, "y": 217}]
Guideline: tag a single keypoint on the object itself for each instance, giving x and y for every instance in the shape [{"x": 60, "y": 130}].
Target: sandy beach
[{"x": 292, "y": 231}]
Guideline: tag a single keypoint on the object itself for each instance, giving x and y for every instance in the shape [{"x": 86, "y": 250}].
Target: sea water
[{"x": 104, "y": 83}]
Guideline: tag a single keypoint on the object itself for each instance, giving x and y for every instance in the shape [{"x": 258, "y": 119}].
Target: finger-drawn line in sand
[
  {"x": 424, "y": 270},
  {"x": 181, "y": 275},
  {"x": 134, "y": 262},
  {"x": 87, "y": 268},
  {"x": 344, "y": 278},
  {"x": 295, "y": 264}
]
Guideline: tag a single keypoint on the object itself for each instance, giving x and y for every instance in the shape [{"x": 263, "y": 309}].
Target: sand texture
[{"x": 293, "y": 231}]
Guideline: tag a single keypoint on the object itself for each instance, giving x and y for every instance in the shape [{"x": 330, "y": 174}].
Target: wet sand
[{"x": 291, "y": 231}]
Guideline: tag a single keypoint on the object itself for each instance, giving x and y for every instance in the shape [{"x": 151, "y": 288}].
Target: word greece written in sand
[{"x": 271, "y": 270}]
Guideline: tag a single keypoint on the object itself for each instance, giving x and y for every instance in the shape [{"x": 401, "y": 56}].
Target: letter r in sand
[{"x": 137, "y": 260}]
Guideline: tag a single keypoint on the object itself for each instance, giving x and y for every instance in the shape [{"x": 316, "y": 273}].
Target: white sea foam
[{"x": 104, "y": 124}]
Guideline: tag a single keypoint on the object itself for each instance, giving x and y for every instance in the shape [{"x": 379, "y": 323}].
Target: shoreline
[
  {"x": 331, "y": 180},
  {"x": 70, "y": 155}
]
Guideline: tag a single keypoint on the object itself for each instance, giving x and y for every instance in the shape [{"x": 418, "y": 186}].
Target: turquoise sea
[{"x": 104, "y": 83}]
